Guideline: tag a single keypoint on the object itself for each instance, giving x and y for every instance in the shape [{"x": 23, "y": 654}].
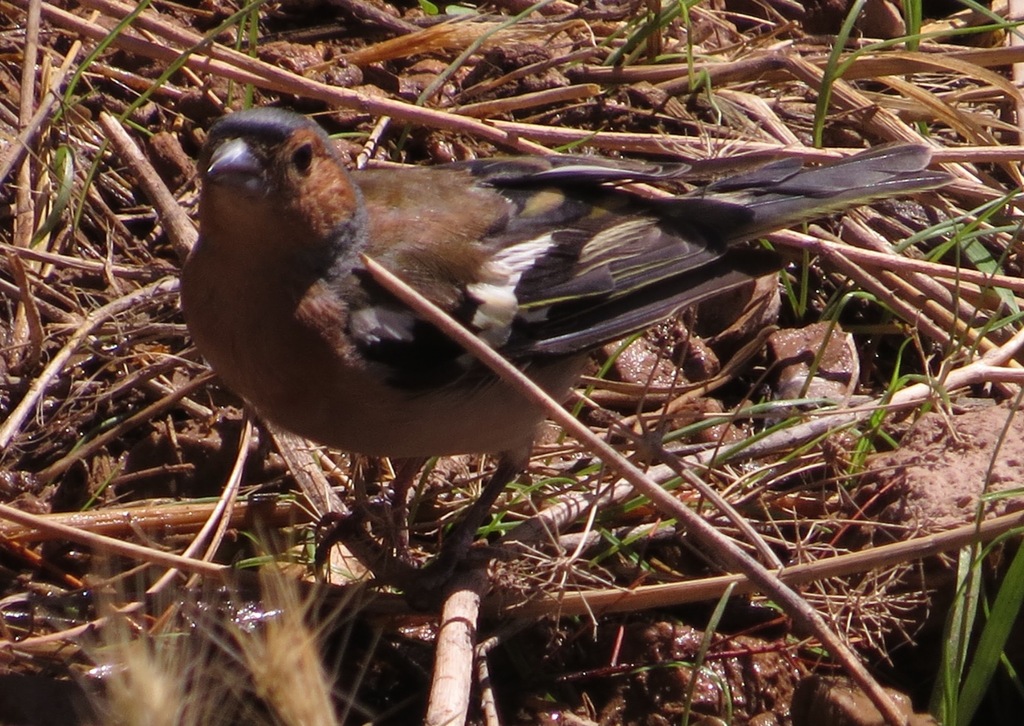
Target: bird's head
[{"x": 266, "y": 168}]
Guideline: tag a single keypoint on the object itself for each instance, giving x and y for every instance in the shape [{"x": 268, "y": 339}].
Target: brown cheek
[{"x": 327, "y": 199}]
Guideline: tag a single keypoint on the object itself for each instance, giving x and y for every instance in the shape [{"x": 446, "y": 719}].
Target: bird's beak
[{"x": 233, "y": 163}]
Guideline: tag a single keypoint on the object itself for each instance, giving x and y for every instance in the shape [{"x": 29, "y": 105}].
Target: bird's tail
[{"x": 785, "y": 193}]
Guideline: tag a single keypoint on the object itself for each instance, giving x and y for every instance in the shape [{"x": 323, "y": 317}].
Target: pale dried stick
[
  {"x": 897, "y": 263},
  {"x": 173, "y": 518},
  {"x": 125, "y": 272},
  {"x": 102, "y": 543},
  {"x": 487, "y": 109},
  {"x": 450, "y": 686},
  {"x": 711, "y": 588},
  {"x": 27, "y": 330},
  {"x": 179, "y": 227}
]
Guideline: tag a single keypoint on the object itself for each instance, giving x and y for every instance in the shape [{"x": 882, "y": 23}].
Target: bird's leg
[
  {"x": 461, "y": 538},
  {"x": 389, "y": 517},
  {"x": 397, "y": 537},
  {"x": 429, "y": 583},
  {"x": 390, "y": 563},
  {"x": 375, "y": 531}
]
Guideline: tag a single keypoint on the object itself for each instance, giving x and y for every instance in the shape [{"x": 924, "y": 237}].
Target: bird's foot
[
  {"x": 424, "y": 585},
  {"x": 386, "y": 553}
]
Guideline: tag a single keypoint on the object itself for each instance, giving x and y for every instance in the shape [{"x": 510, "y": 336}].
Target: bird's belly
[
  {"x": 300, "y": 377},
  {"x": 377, "y": 420}
]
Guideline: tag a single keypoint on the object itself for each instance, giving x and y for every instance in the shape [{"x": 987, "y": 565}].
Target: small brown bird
[{"x": 543, "y": 258}]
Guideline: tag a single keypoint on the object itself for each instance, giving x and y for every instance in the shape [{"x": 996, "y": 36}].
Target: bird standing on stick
[{"x": 544, "y": 259}]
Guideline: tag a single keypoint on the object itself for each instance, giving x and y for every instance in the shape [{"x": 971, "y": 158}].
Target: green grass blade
[{"x": 993, "y": 638}]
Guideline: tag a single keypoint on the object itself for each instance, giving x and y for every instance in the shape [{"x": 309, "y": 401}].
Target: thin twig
[
  {"x": 147, "y": 414},
  {"x": 162, "y": 517},
  {"x": 102, "y": 543},
  {"x": 178, "y": 225},
  {"x": 600, "y": 602}
]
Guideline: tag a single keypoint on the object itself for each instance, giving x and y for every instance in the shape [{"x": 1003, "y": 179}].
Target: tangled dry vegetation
[{"x": 137, "y": 501}]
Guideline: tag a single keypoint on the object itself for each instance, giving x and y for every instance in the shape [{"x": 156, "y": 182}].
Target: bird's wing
[{"x": 547, "y": 257}]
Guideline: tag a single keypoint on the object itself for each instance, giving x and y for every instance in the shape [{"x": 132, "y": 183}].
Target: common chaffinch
[{"x": 543, "y": 258}]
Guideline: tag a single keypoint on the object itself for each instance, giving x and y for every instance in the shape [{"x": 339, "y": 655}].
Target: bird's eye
[{"x": 302, "y": 157}]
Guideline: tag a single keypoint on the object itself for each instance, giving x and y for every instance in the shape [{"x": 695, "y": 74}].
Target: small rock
[{"x": 818, "y": 361}]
